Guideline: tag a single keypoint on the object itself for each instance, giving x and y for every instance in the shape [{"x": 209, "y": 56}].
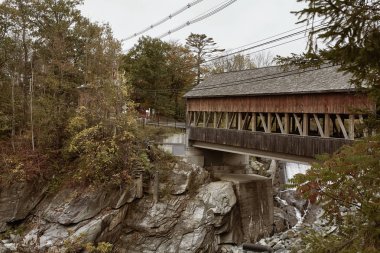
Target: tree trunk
[
  {"x": 199, "y": 61},
  {"x": 25, "y": 74},
  {"x": 31, "y": 107},
  {"x": 13, "y": 115}
]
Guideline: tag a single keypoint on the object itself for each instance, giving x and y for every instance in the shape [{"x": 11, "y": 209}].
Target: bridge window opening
[
  {"x": 316, "y": 125},
  {"x": 277, "y": 126},
  {"x": 282, "y": 123},
  {"x": 207, "y": 119},
  {"x": 272, "y": 123},
  {"x": 247, "y": 121},
  {"x": 261, "y": 125},
  {"x": 221, "y": 120},
  {"x": 296, "y": 124},
  {"x": 338, "y": 126},
  {"x": 233, "y": 121}
]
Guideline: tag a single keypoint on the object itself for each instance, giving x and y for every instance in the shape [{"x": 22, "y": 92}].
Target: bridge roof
[{"x": 273, "y": 81}]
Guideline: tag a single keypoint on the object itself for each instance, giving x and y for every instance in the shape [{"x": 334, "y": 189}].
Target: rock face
[
  {"x": 183, "y": 223},
  {"x": 18, "y": 200},
  {"x": 192, "y": 214},
  {"x": 70, "y": 206}
]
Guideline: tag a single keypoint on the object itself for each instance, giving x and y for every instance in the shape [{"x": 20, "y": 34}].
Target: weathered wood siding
[
  {"x": 337, "y": 103},
  {"x": 305, "y": 146}
]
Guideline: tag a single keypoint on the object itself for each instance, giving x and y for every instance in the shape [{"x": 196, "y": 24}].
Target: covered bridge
[{"x": 270, "y": 111}]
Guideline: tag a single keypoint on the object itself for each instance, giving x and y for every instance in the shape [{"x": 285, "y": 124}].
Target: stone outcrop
[
  {"x": 182, "y": 223},
  {"x": 192, "y": 214},
  {"x": 18, "y": 200}
]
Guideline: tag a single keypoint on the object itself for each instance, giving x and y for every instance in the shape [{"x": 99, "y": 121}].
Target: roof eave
[{"x": 275, "y": 94}]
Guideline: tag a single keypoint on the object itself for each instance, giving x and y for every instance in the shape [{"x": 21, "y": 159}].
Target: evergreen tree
[
  {"x": 203, "y": 48},
  {"x": 146, "y": 68},
  {"x": 349, "y": 37},
  {"x": 160, "y": 73},
  {"x": 181, "y": 76},
  {"x": 347, "y": 183}
]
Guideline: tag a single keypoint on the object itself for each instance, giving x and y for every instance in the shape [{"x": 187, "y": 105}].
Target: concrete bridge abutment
[
  {"x": 254, "y": 192},
  {"x": 211, "y": 158}
]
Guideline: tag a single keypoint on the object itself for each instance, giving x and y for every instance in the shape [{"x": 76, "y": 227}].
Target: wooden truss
[{"x": 305, "y": 124}]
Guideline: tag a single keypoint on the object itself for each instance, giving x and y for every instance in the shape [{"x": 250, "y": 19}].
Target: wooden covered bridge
[{"x": 286, "y": 114}]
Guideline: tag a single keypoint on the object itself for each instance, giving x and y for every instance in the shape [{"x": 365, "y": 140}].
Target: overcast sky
[{"x": 243, "y": 22}]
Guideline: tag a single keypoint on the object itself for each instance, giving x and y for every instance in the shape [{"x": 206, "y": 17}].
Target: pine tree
[
  {"x": 203, "y": 48},
  {"x": 160, "y": 73},
  {"x": 346, "y": 184}
]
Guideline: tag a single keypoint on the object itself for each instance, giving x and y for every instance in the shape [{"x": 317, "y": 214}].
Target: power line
[
  {"x": 188, "y": 6},
  {"x": 236, "y": 82},
  {"x": 276, "y": 35},
  {"x": 262, "y": 44},
  {"x": 258, "y": 51},
  {"x": 191, "y": 66},
  {"x": 199, "y": 18}
]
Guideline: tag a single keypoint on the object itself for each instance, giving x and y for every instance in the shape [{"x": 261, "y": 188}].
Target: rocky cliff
[
  {"x": 184, "y": 212},
  {"x": 192, "y": 214}
]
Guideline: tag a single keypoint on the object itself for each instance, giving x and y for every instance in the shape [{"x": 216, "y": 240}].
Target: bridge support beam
[
  {"x": 327, "y": 125},
  {"x": 351, "y": 127},
  {"x": 254, "y": 121},
  {"x": 286, "y": 123},
  {"x": 305, "y": 124},
  {"x": 239, "y": 121}
]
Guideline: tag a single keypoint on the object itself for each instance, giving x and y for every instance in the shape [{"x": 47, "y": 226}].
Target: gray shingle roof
[{"x": 273, "y": 80}]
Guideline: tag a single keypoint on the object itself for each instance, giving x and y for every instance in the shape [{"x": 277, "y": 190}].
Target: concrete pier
[{"x": 255, "y": 199}]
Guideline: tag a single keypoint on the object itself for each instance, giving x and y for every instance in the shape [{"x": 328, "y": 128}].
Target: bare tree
[
  {"x": 233, "y": 63},
  {"x": 242, "y": 62},
  {"x": 262, "y": 59}
]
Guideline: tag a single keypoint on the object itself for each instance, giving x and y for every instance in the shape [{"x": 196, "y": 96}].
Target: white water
[{"x": 294, "y": 168}]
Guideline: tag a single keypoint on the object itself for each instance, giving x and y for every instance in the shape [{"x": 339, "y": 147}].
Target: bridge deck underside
[{"x": 281, "y": 144}]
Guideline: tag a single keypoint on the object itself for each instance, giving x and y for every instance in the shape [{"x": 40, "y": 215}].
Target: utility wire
[
  {"x": 262, "y": 44},
  {"x": 258, "y": 51},
  {"x": 188, "y": 6},
  {"x": 238, "y": 81},
  {"x": 245, "y": 54},
  {"x": 271, "y": 76},
  {"x": 199, "y": 18},
  {"x": 274, "y": 36}
]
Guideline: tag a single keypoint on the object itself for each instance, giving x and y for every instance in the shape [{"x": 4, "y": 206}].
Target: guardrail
[
  {"x": 163, "y": 123},
  {"x": 305, "y": 146}
]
